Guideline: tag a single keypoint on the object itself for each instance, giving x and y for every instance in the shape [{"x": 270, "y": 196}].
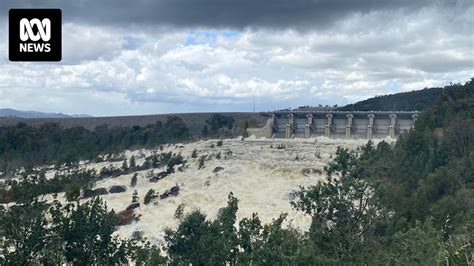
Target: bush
[
  {"x": 135, "y": 196},
  {"x": 133, "y": 164},
  {"x": 201, "y": 162},
  {"x": 134, "y": 180},
  {"x": 194, "y": 154},
  {"x": 150, "y": 195}
]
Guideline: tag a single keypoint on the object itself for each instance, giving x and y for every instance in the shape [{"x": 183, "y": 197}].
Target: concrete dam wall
[{"x": 336, "y": 124}]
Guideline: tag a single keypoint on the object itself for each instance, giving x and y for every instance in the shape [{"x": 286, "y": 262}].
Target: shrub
[
  {"x": 135, "y": 196},
  {"x": 201, "y": 162},
  {"x": 133, "y": 182},
  {"x": 150, "y": 195}
]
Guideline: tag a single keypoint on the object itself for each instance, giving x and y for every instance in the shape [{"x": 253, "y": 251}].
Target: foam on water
[{"x": 260, "y": 176}]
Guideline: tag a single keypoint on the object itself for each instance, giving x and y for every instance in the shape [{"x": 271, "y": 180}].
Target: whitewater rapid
[{"x": 259, "y": 174}]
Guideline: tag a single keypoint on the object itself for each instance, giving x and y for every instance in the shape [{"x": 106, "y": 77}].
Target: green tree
[
  {"x": 150, "y": 195},
  {"x": 202, "y": 159},
  {"x": 343, "y": 209},
  {"x": 218, "y": 121},
  {"x": 133, "y": 164},
  {"x": 97, "y": 246},
  {"x": 195, "y": 241},
  {"x": 194, "y": 154},
  {"x": 228, "y": 235},
  {"x": 125, "y": 165},
  {"x": 419, "y": 244},
  {"x": 205, "y": 131},
  {"x": 135, "y": 197},
  {"x": 74, "y": 233},
  {"x": 200, "y": 242},
  {"x": 73, "y": 191},
  {"x": 133, "y": 181},
  {"x": 26, "y": 235}
]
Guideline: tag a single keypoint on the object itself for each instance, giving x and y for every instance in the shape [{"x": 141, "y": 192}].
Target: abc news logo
[{"x": 35, "y": 35}]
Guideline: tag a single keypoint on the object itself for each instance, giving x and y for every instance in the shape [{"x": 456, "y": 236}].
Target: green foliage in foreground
[{"x": 80, "y": 234}]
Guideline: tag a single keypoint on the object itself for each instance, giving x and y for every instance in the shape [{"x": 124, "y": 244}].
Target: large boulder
[
  {"x": 292, "y": 195},
  {"x": 159, "y": 176},
  {"x": 125, "y": 217},
  {"x": 310, "y": 171},
  {"x": 133, "y": 206},
  {"x": 117, "y": 189},
  {"x": 174, "y": 191},
  {"x": 89, "y": 193},
  {"x": 217, "y": 169}
]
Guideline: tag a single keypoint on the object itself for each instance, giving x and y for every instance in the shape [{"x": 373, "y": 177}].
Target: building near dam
[{"x": 336, "y": 124}]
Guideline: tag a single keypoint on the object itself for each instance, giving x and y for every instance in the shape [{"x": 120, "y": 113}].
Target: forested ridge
[
  {"x": 408, "y": 203},
  {"x": 404, "y": 101},
  {"x": 26, "y": 146}
]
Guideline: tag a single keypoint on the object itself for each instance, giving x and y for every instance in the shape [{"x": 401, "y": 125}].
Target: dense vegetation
[
  {"x": 26, "y": 146},
  {"x": 224, "y": 126},
  {"x": 79, "y": 234},
  {"x": 405, "y": 101},
  {"x": 410, "y": 203}
]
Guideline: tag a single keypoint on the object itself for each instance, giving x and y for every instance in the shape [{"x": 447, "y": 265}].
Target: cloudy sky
[{"x": 142, "y": 57}]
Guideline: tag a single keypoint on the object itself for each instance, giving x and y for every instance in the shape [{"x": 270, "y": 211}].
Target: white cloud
[{"x": 109, "y": 70}]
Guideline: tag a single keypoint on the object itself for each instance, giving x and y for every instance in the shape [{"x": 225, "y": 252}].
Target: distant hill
[
  {"x": 406, "y": 101},
  {"x": 7, "y": 112}
]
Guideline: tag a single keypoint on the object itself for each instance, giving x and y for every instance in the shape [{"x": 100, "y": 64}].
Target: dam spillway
[{"x": 336, "y": 124}]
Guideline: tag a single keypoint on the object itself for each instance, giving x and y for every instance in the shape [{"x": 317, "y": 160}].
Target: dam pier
[{"x": 336, "y": 124}]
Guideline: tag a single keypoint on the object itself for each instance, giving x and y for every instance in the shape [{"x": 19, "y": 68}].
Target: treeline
[
  {"x": 26, "y": 146},
  {"x": 224, "y": 126},
  {"x": 405, "y": 101}
]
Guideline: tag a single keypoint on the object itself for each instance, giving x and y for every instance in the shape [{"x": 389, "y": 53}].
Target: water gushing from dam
[{"x": 336, "y": 124}]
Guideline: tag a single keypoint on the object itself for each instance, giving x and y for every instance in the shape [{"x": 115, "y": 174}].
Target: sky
[{"x": 125, "y": 57}]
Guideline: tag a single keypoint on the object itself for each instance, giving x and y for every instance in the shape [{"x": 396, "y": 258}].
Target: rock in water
[
  {"x": 217, "y": 169},
  {"x": 292, "y": 195},
  {"x": 89, "y": 193},
  {"x": 125, "y": 217},
  {"x": 159, "y": 176},
  {"x": 133, "y": 206},
  {"x": 174, "y": 191},
  {"x": 117, "y": 189}
]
